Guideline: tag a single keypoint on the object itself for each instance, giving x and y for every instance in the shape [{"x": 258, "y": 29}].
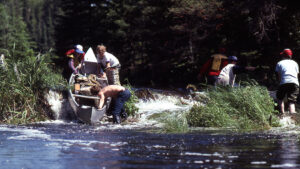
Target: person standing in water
[
  {"x": 287, "y": 71},
  {"x": 119, "y": 95}
]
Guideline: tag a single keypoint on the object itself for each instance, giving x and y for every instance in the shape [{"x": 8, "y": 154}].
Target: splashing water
[
  {"x": 147, "y": 107},
  {"x": 57, "y": 144}
]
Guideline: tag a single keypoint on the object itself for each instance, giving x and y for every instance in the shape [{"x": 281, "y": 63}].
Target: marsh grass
[
  {"x": 22, "y": 87},
  {"x": 248, "y": 107},
  {"x": 173, "y": 122}
]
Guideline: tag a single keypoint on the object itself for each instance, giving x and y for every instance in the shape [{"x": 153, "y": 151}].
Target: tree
[{"x": 15, "y": 42}]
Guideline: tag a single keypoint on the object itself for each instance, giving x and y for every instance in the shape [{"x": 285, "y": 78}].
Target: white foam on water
[
  {"x": 32, "y": 134},
  {"x": 159, "y": 146},
  {"x": 258, "y": 162},
  {"x": 203, "y": 154},
  {"x": 146, "y": 109},
  {"x": 286, "y": 165},
  {"x": 26, "y": 133},
  {"x": 54, "y": 122},
  {"x": 287, "y": 121},
  {"x": 55, "y": 100},
  {"x": 198, "y": 162}
]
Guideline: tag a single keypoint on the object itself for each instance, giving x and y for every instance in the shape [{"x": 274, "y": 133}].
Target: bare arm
[
  {"x": 107, "y": 65},
  {"x": 102, "y": 99}
]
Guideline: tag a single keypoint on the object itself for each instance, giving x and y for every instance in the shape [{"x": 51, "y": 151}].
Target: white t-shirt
[
  {"x": 226, "y": 76},
  {"x": 288, "y": 70},
  {"x": 108, "y": 57}
]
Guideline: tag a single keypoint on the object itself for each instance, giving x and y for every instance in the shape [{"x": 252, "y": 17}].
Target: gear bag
[{"x": 216, "y": 63}]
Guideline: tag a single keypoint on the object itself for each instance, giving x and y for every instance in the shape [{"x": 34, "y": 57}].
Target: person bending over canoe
[{"x": 119, "y": 95}]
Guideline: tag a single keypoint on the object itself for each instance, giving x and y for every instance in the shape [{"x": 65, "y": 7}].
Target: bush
[
  {"x": 130, "y": 106},
  {"x": 22, "y": 88},
  {"x": 248, "y": 107}
]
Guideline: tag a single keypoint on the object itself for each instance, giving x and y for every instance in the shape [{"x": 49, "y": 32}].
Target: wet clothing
[
  {"x": 228, "y": 74},
  {"x": 289, "y": 84},
  {"x": 118, "y": 103},
  {"x": 213, "y": 67}
]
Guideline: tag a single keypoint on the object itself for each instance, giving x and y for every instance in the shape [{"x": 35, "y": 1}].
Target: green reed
[
  {"x": 22, "y": 87},
  {"x": 247, "y": 107},
  {"x": 173, "y": 122}
]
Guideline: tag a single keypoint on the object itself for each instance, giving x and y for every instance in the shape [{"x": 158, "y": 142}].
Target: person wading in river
[
  {"x": 287, "y": 71},
  {"x": 119, "y": 95}
]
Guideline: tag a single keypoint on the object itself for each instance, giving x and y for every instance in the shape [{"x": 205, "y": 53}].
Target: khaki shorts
[
  {"x": 113, "y": 76},
  {"x": 290, "y": 90}
]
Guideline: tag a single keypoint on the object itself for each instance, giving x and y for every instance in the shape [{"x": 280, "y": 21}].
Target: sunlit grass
[
  {"x": 22, "y": 87},
  {"x": 248, "y": 107},
  {"x": 173, "y": 122}
]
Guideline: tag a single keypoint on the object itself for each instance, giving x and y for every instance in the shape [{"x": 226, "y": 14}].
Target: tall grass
[
  {"x": 173, "y": 122},
  {"x": 22, "y": 88},
  {"x": 248, "y": 107}
]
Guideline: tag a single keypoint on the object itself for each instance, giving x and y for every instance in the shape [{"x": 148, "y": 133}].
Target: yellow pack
[{"x": 216, "y": 63}]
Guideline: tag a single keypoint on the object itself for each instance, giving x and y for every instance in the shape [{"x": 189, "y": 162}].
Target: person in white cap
[
  {"x": 75, "y": 56},
  {"x": 287, "y": 71},
  {"x": 228, "y": 73},
  {"x": 110, "y": 64}
]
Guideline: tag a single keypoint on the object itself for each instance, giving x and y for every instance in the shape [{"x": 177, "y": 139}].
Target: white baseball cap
[{"x": 79, "y": 49}]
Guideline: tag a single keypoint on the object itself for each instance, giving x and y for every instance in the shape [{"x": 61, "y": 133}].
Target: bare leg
[
  {"x": 292, "y": 108},
  {"x": 281, "y": 106}
]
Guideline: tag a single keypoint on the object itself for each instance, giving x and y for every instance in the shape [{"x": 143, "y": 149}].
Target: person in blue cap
[
  {"x": 228, "y": 73},
  {"x": 76, "y": 56}
]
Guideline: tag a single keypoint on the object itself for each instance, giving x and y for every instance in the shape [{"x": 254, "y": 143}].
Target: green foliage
[
  {"x": 22, "y": 89},
  {"x": 14, "y": 40},
  {"x": 248, "y": 107},
  {"x": 173, "y": 122},
  {"x": 130, "y": 105}
]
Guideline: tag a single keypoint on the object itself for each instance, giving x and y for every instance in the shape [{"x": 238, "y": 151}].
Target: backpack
[{"x": 217, "y": 60}]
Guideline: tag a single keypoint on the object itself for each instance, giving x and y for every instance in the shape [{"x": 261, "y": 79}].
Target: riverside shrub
[
  {"x": 130, "y": 105},
  {"x": 248, "y": 107},
  {"x": 22, "y": 87}
]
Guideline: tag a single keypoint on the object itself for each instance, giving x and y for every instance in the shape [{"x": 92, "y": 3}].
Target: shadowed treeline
[{"x": 161, "y": 42}]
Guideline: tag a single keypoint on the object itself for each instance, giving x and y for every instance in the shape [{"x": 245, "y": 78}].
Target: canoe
[
  {"x": 86, "y": 113},
  {"x": 83, "y": 105}
]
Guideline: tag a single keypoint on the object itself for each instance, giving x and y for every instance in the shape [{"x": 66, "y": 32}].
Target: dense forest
[{"x": 162, "y": 43}]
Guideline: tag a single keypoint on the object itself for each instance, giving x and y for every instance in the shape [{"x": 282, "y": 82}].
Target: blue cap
[
  {"x": 233, "y": 58},
  {"x": 79, "y": 49}
]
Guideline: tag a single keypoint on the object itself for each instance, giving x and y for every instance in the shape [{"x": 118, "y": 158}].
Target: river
[{"x": 63, "y": 144}]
